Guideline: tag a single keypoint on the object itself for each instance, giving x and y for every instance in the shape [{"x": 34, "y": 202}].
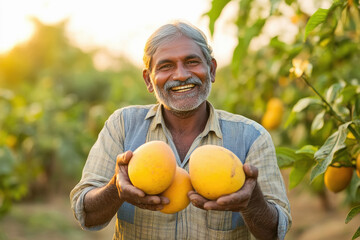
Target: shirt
[{"x": 255, "y": 147}]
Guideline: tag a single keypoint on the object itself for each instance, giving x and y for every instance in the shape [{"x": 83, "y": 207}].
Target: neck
[{"x": 184, "y": 122}]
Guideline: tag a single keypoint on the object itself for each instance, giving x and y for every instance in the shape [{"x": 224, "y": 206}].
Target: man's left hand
[{"x": 237, "y": 201}]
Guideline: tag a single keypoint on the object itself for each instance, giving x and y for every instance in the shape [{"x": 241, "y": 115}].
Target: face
[{"x": 179, "y": 75}]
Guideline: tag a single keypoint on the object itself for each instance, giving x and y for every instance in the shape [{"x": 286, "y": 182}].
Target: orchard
[
  {"x": 294, "y": 69},
  {"x": 315, "y": 79}
]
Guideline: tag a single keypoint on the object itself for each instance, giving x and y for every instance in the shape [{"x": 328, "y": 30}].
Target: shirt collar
[
  {"x": 155, "y": 113},
  {"x": 212, "y": 124}
]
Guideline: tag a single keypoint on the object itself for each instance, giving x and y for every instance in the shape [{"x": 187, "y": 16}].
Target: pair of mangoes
[{"x": 213, "y": 171}]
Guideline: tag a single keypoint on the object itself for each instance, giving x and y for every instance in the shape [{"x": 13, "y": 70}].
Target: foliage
[
  {"x": 322, "y": 58},
  {"x": 53, "y": 103}
]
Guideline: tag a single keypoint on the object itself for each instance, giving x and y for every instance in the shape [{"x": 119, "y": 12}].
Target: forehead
[{"x": 180, "y": 47}]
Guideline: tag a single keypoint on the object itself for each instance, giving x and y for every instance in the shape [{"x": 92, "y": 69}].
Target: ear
[
  {"x": 213, "y": 66},
  {"x": 147, "y": 79}
]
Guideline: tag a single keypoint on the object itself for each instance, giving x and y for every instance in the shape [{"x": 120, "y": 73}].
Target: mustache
[{"x": 176, "y": 83}]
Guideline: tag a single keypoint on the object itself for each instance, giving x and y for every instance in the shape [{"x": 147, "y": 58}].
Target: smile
[{"x": 183, "y": 88}]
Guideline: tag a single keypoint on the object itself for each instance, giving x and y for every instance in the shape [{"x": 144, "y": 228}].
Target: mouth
[{"x": 184, "y": 88}]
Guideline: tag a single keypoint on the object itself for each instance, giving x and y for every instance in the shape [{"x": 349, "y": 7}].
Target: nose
[{"x": 181, "y": 73}]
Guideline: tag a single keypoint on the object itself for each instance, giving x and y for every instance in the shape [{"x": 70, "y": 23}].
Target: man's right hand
[{"x": 131, "y": 194}]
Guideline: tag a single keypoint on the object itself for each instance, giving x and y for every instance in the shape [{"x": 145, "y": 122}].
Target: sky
[{"x": 119, "y": 26}]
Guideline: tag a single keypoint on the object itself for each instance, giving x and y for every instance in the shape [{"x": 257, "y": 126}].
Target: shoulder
[
  {"x": 241, "y": 134},
  {"x": 131, "y": 111},
  {"x": 236, "y": 120}
]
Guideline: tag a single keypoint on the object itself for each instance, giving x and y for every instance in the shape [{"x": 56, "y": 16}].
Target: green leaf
[
  {"x": 285, "y": 157},
  {"x": 317, "y": 185},
  {"x": 243, "y": 14},
  {"x": 307, "y": 149},
  {"x": 238, "y": 56},
  {"x": 341, "y": 110},
  {"x": 332, "y": 92},
  {"x": 300, "y": 168},
  {"x": 291, "y": 119},
  {"x": 304, "y": 103},
  {"x": 216, "y": 8},
  {"x": 316, "y": 19},
  {"x": 354, "y": 189},
  {"x": 348, "y": 93},
  {"x": 243, "y": 43},
  {"x": 318, "y": 122},
  {"x": 326, "y": 152},
  {"x": 7, "y": 161},
  {"x": 357, "y": 107},
  {"x": 357, "y": 234}
]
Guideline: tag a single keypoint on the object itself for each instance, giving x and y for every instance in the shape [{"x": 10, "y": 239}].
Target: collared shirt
[{"x": 192, "y": 222}]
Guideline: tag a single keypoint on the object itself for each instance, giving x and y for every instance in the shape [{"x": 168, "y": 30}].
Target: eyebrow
[{"x": 191, "y": 56}]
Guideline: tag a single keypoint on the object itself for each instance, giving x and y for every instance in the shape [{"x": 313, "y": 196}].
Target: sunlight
[{"x": 120, "y": 28}]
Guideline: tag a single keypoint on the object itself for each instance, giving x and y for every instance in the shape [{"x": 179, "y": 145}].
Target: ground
[{"x": 53, "y": 219}]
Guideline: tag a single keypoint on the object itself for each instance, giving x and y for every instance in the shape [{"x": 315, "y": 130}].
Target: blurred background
[{"x": 65, "y": 66}]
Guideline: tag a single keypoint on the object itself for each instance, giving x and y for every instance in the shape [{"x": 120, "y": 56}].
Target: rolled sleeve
[
  {"x": 79, "y": 211},
  {"x": 283, "y": 223},
  {"x": 77, "y": 197}
]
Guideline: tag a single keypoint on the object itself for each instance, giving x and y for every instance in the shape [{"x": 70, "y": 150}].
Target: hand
[
  {"x": 131, "y": 194},
  {"x": 237, "y": 201}
]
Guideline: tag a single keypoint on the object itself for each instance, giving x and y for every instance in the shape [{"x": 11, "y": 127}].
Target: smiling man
[
  {"x": 181, "y": 75},
  {"x": 180, "y": 69}
]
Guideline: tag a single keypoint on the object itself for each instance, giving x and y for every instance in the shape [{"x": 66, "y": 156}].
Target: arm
[
  {"x": 260, "y": 216},
  {"x": 263, "y": 193},
  {"x": 101, "y": 204}
]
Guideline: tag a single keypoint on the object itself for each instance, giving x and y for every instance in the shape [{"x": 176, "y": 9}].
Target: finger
[
  {"x": 153, "y": 200},
  {"x": 126, "y": 189},
  {"x": 212, "y": 205},
  {"x": 240, "y": 197},
  {"x": 164, "y": 200},
  {"x": 147, "y": 202},
  {"x": 190, "y": 192},
  {"x": 230, "y": 199},
  {"x": 197, "y": 200},
  {"x": 150, "y": 207}
]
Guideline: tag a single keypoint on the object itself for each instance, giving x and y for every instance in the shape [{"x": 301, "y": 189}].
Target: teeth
[{"x": 183, "y": 88}]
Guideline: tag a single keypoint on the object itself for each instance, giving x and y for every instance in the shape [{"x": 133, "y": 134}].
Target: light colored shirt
[{"x": 253, "y": 145}]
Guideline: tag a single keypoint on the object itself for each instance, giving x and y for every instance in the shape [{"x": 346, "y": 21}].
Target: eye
[
  {"x": 164, "y": 67},
  {"x": 192, "y": 62}
]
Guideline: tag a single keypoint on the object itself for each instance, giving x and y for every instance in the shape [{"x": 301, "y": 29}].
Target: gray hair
[{"x": 171, "y": 31}]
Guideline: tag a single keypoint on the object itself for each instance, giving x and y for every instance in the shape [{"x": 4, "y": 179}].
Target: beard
[{"x": 185, "y": 102}]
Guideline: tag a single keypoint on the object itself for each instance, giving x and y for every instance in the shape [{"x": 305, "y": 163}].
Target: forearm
[
  {"x": 261, "y": 217},
  {"x": 101, "y": 204}
]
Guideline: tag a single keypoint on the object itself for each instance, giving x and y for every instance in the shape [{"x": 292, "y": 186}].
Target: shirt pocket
[
  {"x": 225, "y": 225},
  {"x": 223, "y": 220}
]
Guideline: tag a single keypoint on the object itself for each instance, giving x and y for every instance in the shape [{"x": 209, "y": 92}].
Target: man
[{"x": 179, "y": 69}]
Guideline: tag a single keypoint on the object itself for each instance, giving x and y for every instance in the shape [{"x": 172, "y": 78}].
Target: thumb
[
  {"x": 250, "y": 171},
  {"x": 124, "y": 158}
]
